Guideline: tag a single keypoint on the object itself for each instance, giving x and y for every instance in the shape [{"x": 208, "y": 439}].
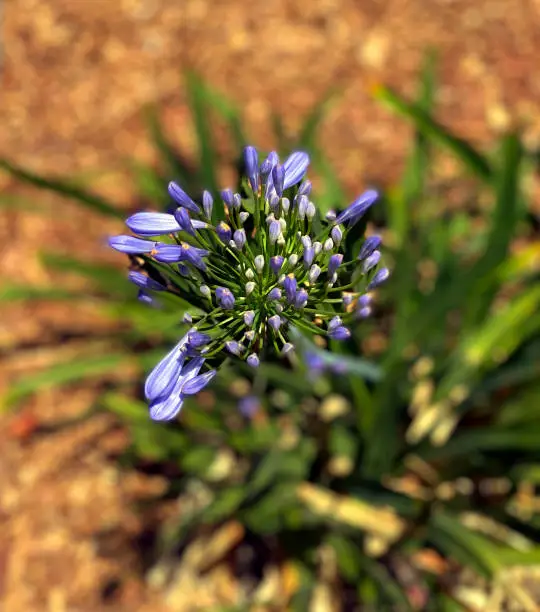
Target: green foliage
[{"x": 395, "y": 456}]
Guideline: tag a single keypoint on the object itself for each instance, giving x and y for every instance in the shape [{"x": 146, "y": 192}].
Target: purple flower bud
[
  {"x": 287, "y": 348},
  {"x": 239, "y": 238},
  {"x": 143, "y": 297},
  {"x": 253, "y": 360},
  {"x": 224, "y": 232},
  {"x": 289, "y": 284},
  {"x": 161, "y": 379},
  {"x": 144, "y": 282},
  {"x": 235, "y": 348},
  {"x": 278, "y": 178},
  {"x": 363, "y": 300},
  {"x": 340, "y": 333},
  {"x": 275, "y": 294},
  {"x": 295, "y": 167},
  {"x": 285, "y": 205},
  {"x": 251, "y": 161},
  {"x": 331, "y": 215},
  {"x": 302, "y": 204},
  {"x": 249, "y": 317},
  {"x": 336, "y": 234},
  {"x": 184, "y": 221},
  {"x": 334, "y": 323},
  {"x": 276, "y": 264},
  {"x": 347, "y": 298},
  {"x": 152, "y": 224},
  {"x": 301, "y": 298},
  {"x": 315, "y": 363},
  {"x": 196, "y": 339},
  {"x": 187, "y": 318},
  {"x": 182, "y": 198},
  {"x": 314, "y": 273},
  {"x": 371, "y": 244},
  {"x": 379, "y": 278},
  {"x": 168, "y": 253},
  {"x": 306, "y": 241},
  {"x": 268, "y": 164},
  {"x": 237, "y": 200},
  {"x": 305, "y": 188},
  {"x": 334, "y": 262},
  {"x": 184, "y": 270},
  {"x": 274, "y": 231},
  {"x": 197, "y": 383},
  {"x": 371, "y": 261},
  {"x": 249, "y": 406},
  {"x": 225, "y": 298},
  {"x": 208, "y": 204},
  {"x": 131, "y": 245},
  {"x": 363, "y": 313},
  {"x": 308, "y": 256},
  {"x": 311, "y": 211},
  {"x": 227, "y": 197},
  {"x": 274, "y": 322},
  {"x": 358, "y": 208},
  {"x": 193, "y": 255}
]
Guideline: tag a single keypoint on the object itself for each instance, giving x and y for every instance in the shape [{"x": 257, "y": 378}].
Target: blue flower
[{"x": 254, "y": 268}]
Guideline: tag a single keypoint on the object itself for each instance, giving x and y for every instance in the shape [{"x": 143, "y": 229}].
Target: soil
[{"x": 75, "y": 76}]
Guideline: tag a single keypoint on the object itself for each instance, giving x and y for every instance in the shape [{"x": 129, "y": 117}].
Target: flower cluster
[{"x": 254, "y": 265}]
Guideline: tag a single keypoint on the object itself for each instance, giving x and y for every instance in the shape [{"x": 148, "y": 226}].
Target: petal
[
  {"x": 152, "y": 223},
  {"x": 198, "y": 383},
  {"x": 144, "y": 282},
  {"x": 162, "y": 378},
  {"x": 357, "y": 209},
  {"x": 131, "y": 245},
  {"x": 181, "y": 197},
  {"x": 169, "y": 253},
  {"x": 166, "y": 409},
  {"x": 295, "y": 167}
]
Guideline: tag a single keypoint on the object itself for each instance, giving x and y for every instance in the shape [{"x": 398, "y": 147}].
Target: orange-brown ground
[{"x": 74, "y": 78}]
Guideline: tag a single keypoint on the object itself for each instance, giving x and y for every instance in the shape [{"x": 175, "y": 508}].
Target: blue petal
[
  {"x": 198, "y": 383},
  {"x": 355, "y": 210},
  {"x": 131, "y": 245},
  {"x": 152, "y": 223},
  {"x": 169, "y": 253},
  {"x": 166, "y": 409},
  {"x": 144, "y": 282},
  {"x": 295, "y": 167},
  {"x": 181, "y": 197},
  {"x": 161, "y": 379}
]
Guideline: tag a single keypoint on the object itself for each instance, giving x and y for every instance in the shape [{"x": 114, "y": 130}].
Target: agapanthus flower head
[{"x": 255, "y": 267}]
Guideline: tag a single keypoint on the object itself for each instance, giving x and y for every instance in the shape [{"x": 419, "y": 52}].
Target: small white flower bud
[
  {"x": 259, "y": 263},
  {"x": 205, "y": 290},
  {"x": 250, "y": 287},
  {"x": 293, "y": 260},
  {"x": 317, "y": 248},
  {"x": 328, "y": 244}
]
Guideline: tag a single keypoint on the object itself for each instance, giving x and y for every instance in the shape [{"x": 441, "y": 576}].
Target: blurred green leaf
[
  {"x": 62, "y": 374},
  {"x": 392, "y": 592},
  {"x": 18, "y": 293},
  {"x": 197, "y": 100},
  {"x": 471, "y": 159},
  {"x": 62, "y": 187},
  {"x": 312, "y": 122}
]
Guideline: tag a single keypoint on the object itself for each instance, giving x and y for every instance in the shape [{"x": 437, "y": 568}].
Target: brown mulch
[{"x": 74, "y": 78}]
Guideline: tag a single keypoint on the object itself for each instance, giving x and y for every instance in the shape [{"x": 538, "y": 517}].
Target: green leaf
[
  {"x": 471, "y": 159},
  {"x": 312, "y": 122},
  {"x": 225, "y": 504},
  {"x": 504, "y": 221},
  {"x": 197, "y": 101},
  {"x": 390, "y": 590},
  {"x": 17, "y": 293},
  {"x": 465, "y": 545},
  {"x": 348, "y": 556},
  {"x": 63, "y": 373},
  {"x": 107, "y": 277},
  {"x": 126, "y": 407},
  {"x": 62, "y": 187},
  {"x": 230, "y": 113}
]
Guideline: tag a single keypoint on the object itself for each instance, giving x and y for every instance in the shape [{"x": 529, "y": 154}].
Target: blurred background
[{"x": 95, "y": 93}]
